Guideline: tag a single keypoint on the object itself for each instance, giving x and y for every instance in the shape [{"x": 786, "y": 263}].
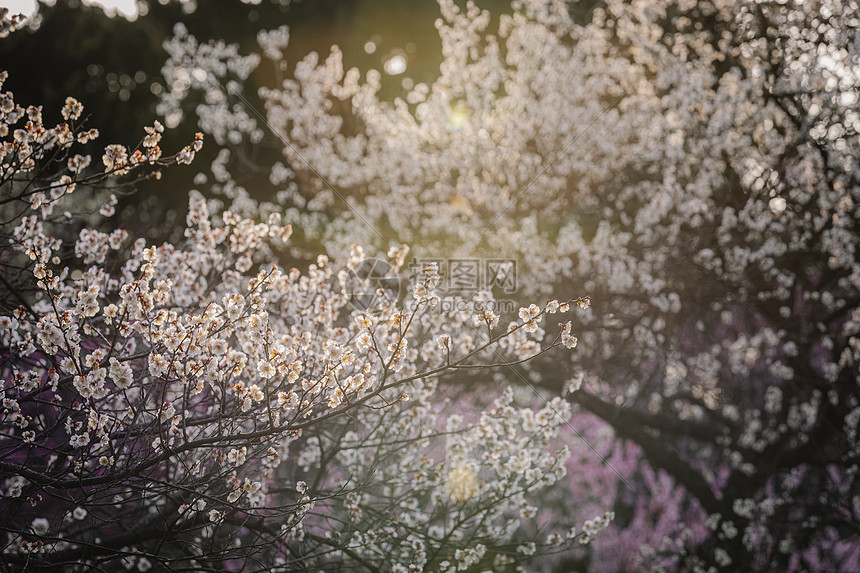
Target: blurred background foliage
[{"x": 113, "y": 66}]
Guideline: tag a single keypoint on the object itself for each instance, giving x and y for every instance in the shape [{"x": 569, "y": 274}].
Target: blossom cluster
[
  {"x": 691, "y": 166},
  {"x": 172, "y": 405}
]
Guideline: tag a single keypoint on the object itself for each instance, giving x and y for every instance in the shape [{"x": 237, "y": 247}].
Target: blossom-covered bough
[
  {"x": 691, "y": 165},
  {"x": 197, "y": 407}
]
